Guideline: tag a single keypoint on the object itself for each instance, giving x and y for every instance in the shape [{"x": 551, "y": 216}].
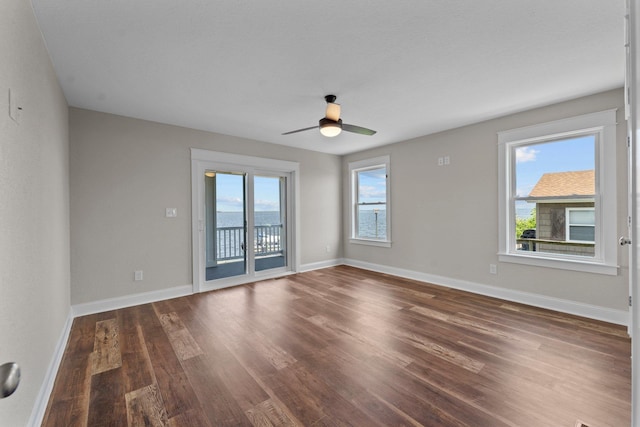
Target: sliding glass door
[
  {"x": 270, "y": 222},
  {"x": 243, "y": 220},
  {"x": 226, "y": 224}
]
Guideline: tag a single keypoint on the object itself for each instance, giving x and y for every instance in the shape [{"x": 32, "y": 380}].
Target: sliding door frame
[{"x": 203, "y": 160}]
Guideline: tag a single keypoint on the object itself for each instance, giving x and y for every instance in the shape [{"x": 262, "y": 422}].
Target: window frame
[
  {"x": 601, "y": 124},
  {"x": 568, "y": 224},
  {"x": 354, "y": 169}
]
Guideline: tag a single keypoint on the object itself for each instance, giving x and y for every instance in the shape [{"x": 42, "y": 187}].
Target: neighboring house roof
[{"x": 565, "y": 184}]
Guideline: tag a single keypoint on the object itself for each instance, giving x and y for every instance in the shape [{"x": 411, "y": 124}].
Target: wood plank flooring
[{"x": 341, "y": 346}]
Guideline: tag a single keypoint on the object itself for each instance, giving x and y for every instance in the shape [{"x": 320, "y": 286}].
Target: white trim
[
  {"x": 214, "y": 285},
  {"x": 371, "y": 163},
  {"x": 321, "y": 264},
  {"x": 632, "y": 95},
  {"x": 539, "y": 200},
  {"x": 370, "y": 242},
  {"x": 565, "y": 263},
  {"x": 130, "y": 300},
  {"x": 361, "y": 166},
  {"x": 242, "y": 160},
  {"x": 603, "y": 126},
  {"x": 42, "y": 400},
  {"x": 560, "y": 129},
  {"x": 619, "y": 317},
  {"x": 202, "y": 160}
]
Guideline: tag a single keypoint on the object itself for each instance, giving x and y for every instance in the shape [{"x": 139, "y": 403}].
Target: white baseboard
[
  {"x": 76, "y": 310},
  {"x": 130, "y": 300},
  {"x": 40, "y": 406},
  {"x": 321, "y": 264},
  {"x": 619, "y": 317}
]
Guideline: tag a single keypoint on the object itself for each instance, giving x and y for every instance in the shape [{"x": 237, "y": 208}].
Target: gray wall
[
  {"x": 445, "y": 219},
  {"x": 34, "y": 208},
  {"x": 125, "y": 172}
]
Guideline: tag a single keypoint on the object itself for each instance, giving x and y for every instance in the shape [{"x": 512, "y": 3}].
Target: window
[
  {"x": 558, "y": 194},
  {"x": 370, "y": 210},
  {"x": 554, "y": 179},
  {"x": 581, "y": 224}
]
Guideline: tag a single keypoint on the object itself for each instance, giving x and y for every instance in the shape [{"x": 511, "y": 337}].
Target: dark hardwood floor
[{"x": 341, "y": 346}]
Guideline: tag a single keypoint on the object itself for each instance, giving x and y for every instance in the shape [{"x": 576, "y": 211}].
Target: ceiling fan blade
[
  {"x": 333, "y": 111},
  {"x": 300, "y": 130},
  {"x": 357, "y": 129}
]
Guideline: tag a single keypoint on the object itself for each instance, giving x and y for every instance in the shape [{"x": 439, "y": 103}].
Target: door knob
[
  {"x": 624, "y": 241},
  {"x": 9, "y": 379}
]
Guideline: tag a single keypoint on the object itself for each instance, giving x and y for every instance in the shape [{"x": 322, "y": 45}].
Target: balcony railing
[
  {"x": 230, "y": 241},
  {"x": 556, "y": 246}
]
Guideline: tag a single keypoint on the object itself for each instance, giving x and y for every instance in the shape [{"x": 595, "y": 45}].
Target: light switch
[{"x": 172, "y": 212}]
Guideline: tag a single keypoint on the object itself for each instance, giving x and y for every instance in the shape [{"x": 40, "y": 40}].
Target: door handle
[
  {"x": 624, "y": 241},
  {"x": 9, "y": 379}
]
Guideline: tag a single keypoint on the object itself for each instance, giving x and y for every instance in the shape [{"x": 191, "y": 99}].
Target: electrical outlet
[
  {"x": 440, "y": 161},
  {"x": 137, "y": 275},
  {"x": 447, "y": 160},
  {"x": 493, "y": 269},
  {"x": 328, "y": 248},
  {"x": 171, "y": 212}
]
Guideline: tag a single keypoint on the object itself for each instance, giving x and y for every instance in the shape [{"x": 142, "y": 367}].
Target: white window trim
[
  {"x": 359, "y": 166},
  {"x": 568, "y": 224},
  {"x": 203, "y": 160},
  {"x": 603, "y": 125}
]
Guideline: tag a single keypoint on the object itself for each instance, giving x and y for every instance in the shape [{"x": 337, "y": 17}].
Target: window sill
[
  {"x": 370, "y": 242},
  {"x": 563, "y": 264}
]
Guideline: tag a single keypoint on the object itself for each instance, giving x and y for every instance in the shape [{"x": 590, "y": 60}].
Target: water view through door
[
  {"x": 244, "y": 234},
  {"x": 226, "y": 234},
  {"x": 269, "y": 222}
]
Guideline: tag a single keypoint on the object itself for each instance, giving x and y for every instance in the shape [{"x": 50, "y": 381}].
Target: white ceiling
[{"x": 256, "y": 69}]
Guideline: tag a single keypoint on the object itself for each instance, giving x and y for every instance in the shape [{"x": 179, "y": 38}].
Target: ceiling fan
[{"x": 331, "y": 124}]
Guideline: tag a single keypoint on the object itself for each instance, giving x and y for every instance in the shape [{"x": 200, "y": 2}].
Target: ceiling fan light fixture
[
  {"x": 331, "y": 124},
  {"x": 330, "y": 128}
]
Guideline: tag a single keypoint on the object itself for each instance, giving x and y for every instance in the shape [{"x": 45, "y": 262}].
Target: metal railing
[
  {"x": 230, "y": 241},
  {"x": 556, "y": 246}
]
